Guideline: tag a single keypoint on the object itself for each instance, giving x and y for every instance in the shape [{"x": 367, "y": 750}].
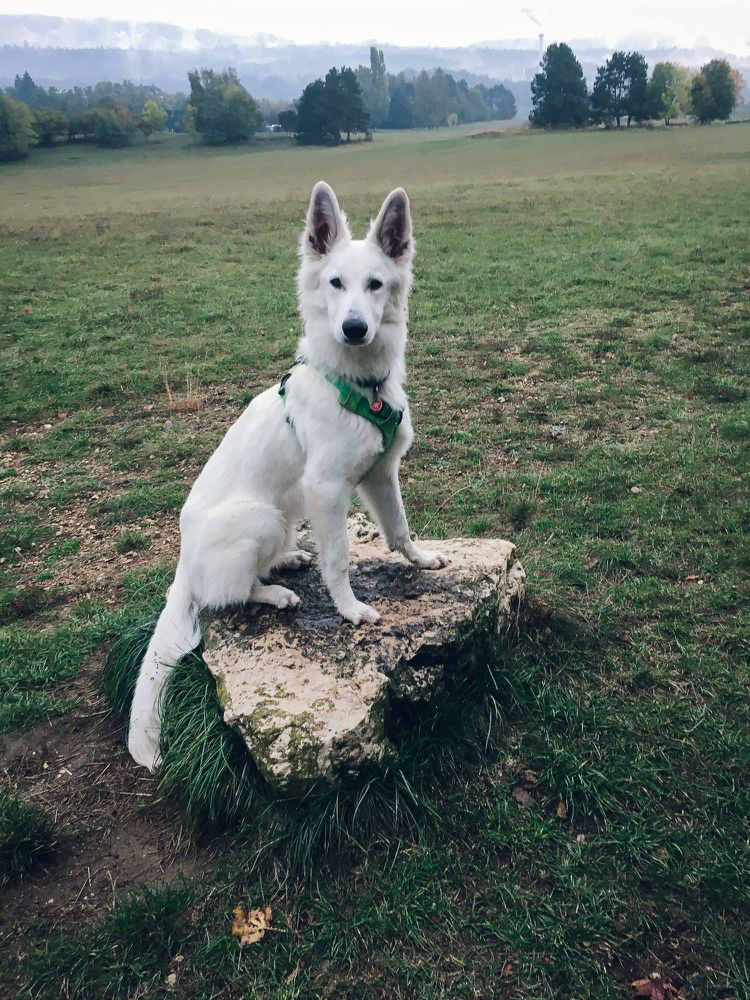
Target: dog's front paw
[
  {"x": 359, "y": 613},
  {"x": 430, "y": 560}
]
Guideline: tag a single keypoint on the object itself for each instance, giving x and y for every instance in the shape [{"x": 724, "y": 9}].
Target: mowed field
[{"x": 579, "y": 383}]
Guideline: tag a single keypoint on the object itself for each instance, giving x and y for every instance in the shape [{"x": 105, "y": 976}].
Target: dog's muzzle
[{"x": 355, "y": 330}]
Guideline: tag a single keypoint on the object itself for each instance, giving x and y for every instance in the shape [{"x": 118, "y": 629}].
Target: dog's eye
[
  {"x": 336, "y": 282},
  {"x": 374, "y": 284}
]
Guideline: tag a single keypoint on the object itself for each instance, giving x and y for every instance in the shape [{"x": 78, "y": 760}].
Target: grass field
[{"x": 579, "y": 365}]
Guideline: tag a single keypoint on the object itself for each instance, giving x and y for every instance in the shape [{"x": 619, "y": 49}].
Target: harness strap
[{"x": 378, "y": 412}]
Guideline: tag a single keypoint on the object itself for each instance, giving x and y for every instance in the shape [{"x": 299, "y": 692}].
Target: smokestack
[{"x": 541, "y": 48}]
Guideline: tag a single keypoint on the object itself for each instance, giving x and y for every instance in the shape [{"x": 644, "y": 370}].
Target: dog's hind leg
[
  {"x": 291, "y": 556},
  {"x": 224, "y": 552},
  {"x": 277, "y": 597}
]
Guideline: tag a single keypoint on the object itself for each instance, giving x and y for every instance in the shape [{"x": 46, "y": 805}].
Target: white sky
[{"x": 721, "y": 23}]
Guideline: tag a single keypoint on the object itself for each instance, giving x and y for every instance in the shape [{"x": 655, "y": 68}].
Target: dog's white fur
[{"x": 239, "y": 521}]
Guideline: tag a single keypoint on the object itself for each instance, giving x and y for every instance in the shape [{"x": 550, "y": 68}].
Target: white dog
[{"x": 338, "y": 421}]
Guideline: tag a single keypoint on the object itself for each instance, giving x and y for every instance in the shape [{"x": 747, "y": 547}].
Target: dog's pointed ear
[
  {"x": 392, "y": 228},
  {"x": 326, "y": 223}
]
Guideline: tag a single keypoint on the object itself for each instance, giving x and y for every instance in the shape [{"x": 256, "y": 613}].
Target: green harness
[{"x": 378, "y": 412}]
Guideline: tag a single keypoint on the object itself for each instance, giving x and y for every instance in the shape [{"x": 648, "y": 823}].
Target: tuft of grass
[
  {"x": 123, "y": 954},
  {"x": 26, "y": 836},
  {"x": 142, "y": 500},
  {"x": 119, "y": 674},
  {"x": 131, "y": 541}
]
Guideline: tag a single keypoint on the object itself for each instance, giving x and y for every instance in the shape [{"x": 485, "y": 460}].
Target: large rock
[{"x": 310, "y": 695}]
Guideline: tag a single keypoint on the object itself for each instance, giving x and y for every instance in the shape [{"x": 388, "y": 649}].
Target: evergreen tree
[
  {"x": 636, "y": 105},
  {"x": 314, "y": 125},
  {"x": 353, "y": 115},
  {"x": 288, "y": 120},
  {"x": 558, "y": 92},
  {"x": 24, "y": 89},
  {"x": 621, "y": 89},
  {"x": 329, "y": 107}
]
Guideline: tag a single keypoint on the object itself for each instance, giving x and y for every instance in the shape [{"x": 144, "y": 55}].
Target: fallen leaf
[
  {"x": 590, "y": 563},
  {"x": 655, "y": 988},
  {"x": 635, "y": 489},
  {"x": 508, "y": 969},
  {"x": 528, "y": 778},
  {"x": 522, "y": 797},
  {"x": 561, "y": 810},
  {"x": 251, "y": 925},
  {"x": 692, "y": 577}
]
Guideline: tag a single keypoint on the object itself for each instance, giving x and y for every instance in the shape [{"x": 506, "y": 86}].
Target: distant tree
[
  {"x": 471, "y": 105},
  {"x": 558, "y": 93},
  {"x": 352, "y": 111},
  {"x": 401, "y": 109},
  {"x": 114, "y": 125},
  {"x": 739, "y": 88},
  {"x": 16, "y": 129},
  {"x": 270, "y": 108},
  {"x": 374, "y": 84},
  {"x": 435, "y": 98},
  {"x": 329, "y": 107},
  {"x": 314, "y": 124},
  {"x": 24, "y": 89},
  {"x": 154, "y": 116},
  {"x": 500, "y": 101},
  {"x": 288, "y": 120},
  {"x": 220, "y": 109},
  {"x": 81, "y": 127},
  {"x": 621, "y": 89},
  {"x": 713, "y": 94},
  {"x": 669, "y": 91},
  {"x": 636, "y": 104},
  {"x": 50, "y": 125}
]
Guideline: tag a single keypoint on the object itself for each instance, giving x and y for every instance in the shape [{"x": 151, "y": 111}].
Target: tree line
[
  {"x": 349, "y": 101},
  {"x": 110, "y": 114},
  {"x": 623, "y": 91},
  {"x": 219, "y": 110}
]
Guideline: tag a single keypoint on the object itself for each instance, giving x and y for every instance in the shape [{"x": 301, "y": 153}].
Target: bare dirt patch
[{"x": 113, "y": 830}]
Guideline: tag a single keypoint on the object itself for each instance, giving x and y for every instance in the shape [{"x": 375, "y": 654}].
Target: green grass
[
  {"x": 579, "y": 373},
  {"x": 127, "y": 950},
  {"x": 26, "y": 837}
]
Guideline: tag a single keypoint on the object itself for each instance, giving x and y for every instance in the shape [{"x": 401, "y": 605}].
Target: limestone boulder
[{"x": 311, "y": 695}]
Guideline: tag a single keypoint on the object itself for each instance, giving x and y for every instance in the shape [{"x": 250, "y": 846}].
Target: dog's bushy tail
[{"x": 177, "y": 632}]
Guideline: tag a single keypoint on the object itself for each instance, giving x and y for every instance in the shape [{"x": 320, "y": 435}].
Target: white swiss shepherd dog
[{"x": 301, "y": 455}]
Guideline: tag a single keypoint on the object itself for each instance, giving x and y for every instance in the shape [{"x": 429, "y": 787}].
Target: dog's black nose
[{"x": 355, "y": 330}]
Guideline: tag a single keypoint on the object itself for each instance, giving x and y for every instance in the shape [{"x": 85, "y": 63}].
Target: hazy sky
[{"x": 723, "y": 23}]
